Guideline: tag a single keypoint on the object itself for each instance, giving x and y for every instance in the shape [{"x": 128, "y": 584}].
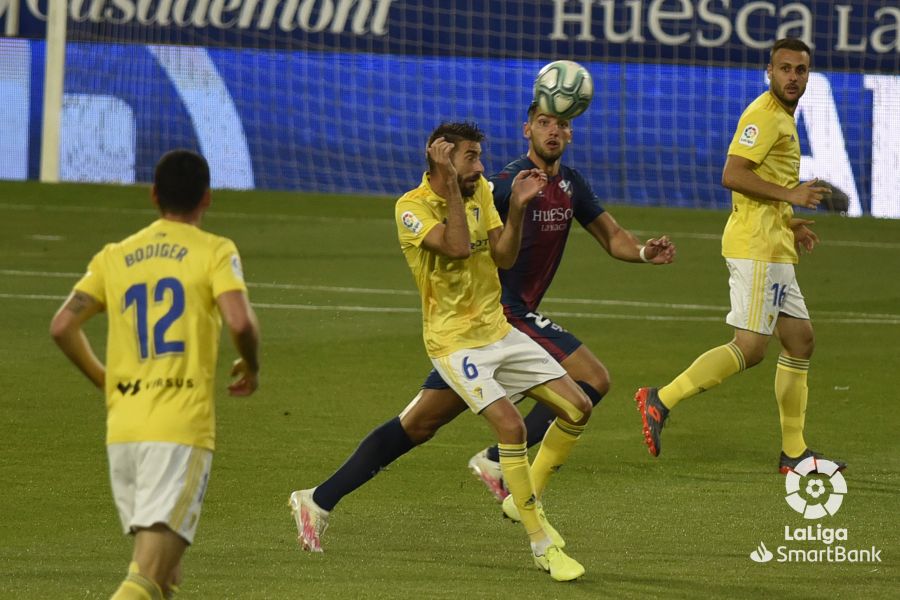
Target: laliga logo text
[{"x": 815, "y": 489}]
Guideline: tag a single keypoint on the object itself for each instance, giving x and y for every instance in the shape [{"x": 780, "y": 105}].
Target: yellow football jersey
[
  {"x": 460, "y": 298},
  {"x": 159, "y": 288},
  {"x": 760, "y": 229}
]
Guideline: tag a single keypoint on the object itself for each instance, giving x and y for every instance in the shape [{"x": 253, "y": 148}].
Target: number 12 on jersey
[{"x": 138, "y": 296}]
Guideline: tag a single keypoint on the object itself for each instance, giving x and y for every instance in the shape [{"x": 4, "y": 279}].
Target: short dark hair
[
  {"x": 789, "y": 43},
  {"x": 181, "y": 179},
  {"x": 454, "y": 133}
]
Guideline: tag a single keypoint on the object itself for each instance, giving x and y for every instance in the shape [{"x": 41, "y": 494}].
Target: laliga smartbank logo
[
  {"x": 815, "y": 489},
  {"x": 813, "y": 505}
]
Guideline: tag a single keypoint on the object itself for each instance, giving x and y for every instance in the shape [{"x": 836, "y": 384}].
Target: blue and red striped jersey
[{"x": 548, "y": 220}]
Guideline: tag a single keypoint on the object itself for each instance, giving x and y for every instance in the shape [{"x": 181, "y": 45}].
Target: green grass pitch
[{"x": 342, "y": 352}]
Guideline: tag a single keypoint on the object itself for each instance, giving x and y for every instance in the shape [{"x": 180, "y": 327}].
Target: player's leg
[
  {"x": 795, "y": 331},
  {"x": 582, "y": 366},
  {"x": 754, "y": 310},
  {"x": 434, "y": 406},
  {"x": 505, "y": 420},
  {"x": 791, "y": 389},
  {"x": 507, "y": 423},
  {"x": 708, "y": 370},
  {"x": 481, "y": 377},
  {"x": 588, "y": 373},
  {"x": 175, "y": 581},
  {"x": 711, "y": 368},
  {"x": 157, "y": 558},
  {"x": 159, "y": 489},
  {"x": 137, "y": 587},
  {"x": 578, "y": 361},
  {"x": 426, "y": 413},
  {"x": 530, "y": 370},
  {"x": 471, "y": 372},
  {"x": 573, "y": 409}
]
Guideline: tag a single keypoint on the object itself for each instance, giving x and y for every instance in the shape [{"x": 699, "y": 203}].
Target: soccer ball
[{"x": 564, "y": 89}]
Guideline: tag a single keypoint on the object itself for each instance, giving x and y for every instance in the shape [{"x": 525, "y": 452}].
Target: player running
[{"x": 546, "y": 227}]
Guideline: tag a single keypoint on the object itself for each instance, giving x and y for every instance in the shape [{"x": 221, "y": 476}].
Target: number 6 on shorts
[{"x": 469, "y": 370}]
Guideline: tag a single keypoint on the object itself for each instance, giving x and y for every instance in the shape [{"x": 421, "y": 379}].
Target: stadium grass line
[
  {"x": 314, "y": 307},
  {"x": 332, "y": 288},
  {"x": 219, "y": 214},
  {"x": 402, "y": 310},
  {"x": 675, "y": 235},
  {"x": 717, "y": 237},
  {"x": 708, "y": 307},
  {"x": 274, "y": 286},
  {"x": 849, "y": 317},
  {"x": 338, "y": 307},
  {"x": 570, "y": 315}
]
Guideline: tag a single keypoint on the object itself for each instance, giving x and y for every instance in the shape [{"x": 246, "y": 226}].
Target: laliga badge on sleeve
[
  {"x": 411, "y": 222},
  {"x": 236, "y": 267},
  {"x": 749, "y": 135}
]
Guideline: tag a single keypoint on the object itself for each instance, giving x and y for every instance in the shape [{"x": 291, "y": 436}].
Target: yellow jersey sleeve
[
  {"x": 92, "y": 282},
  {"x": 414, "y": 221},
  {"x": 756, "y": 133},
  {"x": 490, "y": 210},
  {"x": 227, "y": 272}
]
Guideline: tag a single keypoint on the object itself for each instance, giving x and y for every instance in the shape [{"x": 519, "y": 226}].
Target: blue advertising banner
[
  {"x": 340, "y": 96},
  {"x": 305, "y": 124},
  {"x": 851, "y": 35}
]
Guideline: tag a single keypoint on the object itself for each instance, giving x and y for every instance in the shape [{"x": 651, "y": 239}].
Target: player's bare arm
[
  {"x": 450, "y": 239},
  {"x": 804, "y": 237},
  {"x": 244, "y": 327},
  {"x": 738, "y": 176},
  {"x": 624, "y": 245},
  {"x": 506, "y": 241},
  {"x": 66, "y": 330}
]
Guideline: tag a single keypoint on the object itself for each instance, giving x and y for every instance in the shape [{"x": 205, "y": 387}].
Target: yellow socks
[
  {"x": 791, "y": 392},
  {"x": 549, "y": 398},
  {"x": 708, "y": 371},
  {"x": 137, "y": 587},
  {"x": 555, "y": 449},
  {"x": 517, "y": 475}
]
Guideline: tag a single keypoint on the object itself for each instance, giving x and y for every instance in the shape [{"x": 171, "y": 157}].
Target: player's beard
[
  {"x": 549, "y": 156},
  {"x": 467, "y": 186},
  {"x": 782, "y": 97}
]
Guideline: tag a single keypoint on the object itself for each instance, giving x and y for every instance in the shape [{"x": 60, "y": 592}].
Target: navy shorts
[{"x": 552, "y": 337}]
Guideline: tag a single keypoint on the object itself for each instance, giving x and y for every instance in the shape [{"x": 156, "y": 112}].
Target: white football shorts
[
  {"x": 159, "y": 482},
  {"x": 507, "y": 367},
  {"x": 759, "y": 291}
]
